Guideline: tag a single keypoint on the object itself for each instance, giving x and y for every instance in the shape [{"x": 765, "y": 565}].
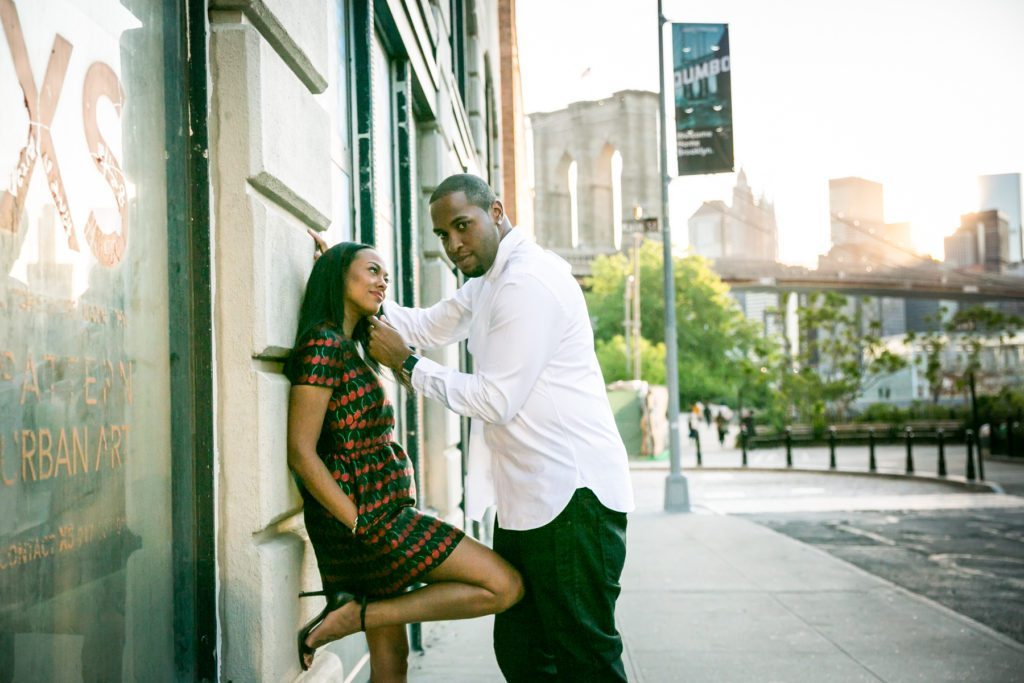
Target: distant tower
[
  {"x": 1002, "y": 192},
  {"x": 745, "y": 230},
  {"x": 593, "y": 162},
  {"x": 857, "y": 208},
  {"x": 860, "y": 236},
  {"x": 980, "y": 243}
]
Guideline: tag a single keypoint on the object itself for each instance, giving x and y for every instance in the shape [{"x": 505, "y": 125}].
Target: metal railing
[{"x": 974, "y": 466}]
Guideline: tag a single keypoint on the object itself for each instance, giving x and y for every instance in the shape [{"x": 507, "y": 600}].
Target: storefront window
[
  {"x": 85, "y": 495},
  {"x": 383, "y": 153}
]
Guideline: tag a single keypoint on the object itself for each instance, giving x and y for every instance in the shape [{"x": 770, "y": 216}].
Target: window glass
[
  {"x": 384, "y": 170},
  {"x": 85, "y": 488},
  {"x": 383, "y": 153},
  {"x": 458, "y": 45},
  {"x": 341, "y": 140}
]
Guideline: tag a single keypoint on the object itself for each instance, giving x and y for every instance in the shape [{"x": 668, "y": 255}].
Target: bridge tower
[{"x": 593, "y": 162}]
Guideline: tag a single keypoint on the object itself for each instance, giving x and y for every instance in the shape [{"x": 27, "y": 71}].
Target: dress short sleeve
[{"x": 320, "y": 358}]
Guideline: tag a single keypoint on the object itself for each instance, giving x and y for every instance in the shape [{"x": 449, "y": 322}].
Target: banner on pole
[{"x": 703, "y": 92}]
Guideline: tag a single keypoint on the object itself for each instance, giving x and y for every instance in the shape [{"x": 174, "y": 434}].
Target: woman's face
[{"x": 366, "y": 283}]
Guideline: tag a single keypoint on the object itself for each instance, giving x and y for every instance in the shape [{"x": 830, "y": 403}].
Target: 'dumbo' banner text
[{"x": 701, "y": 68}]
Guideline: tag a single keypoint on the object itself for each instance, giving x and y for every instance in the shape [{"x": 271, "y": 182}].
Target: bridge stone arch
[
  {"x": 560, "y": 197},
  {"x": 607, "y": 196},
  {"x": 598, "y": 135}
]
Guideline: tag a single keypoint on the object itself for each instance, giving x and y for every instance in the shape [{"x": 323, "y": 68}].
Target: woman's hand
[{"x": 320, "y": 246}]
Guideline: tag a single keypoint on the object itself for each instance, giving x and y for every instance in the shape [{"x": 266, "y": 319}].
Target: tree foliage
[
  {"x": 715, "y": 339},
  {"x": 839, "y": 356},
  {"x": 967, "y": 332},
  {"x": 611, "y": 354}
]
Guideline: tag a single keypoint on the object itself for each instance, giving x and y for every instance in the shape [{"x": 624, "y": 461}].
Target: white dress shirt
[{"x": 536, "y": 395}]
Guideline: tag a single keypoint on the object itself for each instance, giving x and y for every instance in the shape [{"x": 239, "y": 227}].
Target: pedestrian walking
[
  {"x": 540, "y": 419},
  {"x": 357, "y": 486}
]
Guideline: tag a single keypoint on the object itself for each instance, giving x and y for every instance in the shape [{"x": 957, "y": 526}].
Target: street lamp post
[
  {"x": 677, "y": 493},
  {"x": 975, "y": 425},
  {"x": 627, "y": 304},
  {"x": 638, "y": 226},
  {"x": 638, "y": 237}
]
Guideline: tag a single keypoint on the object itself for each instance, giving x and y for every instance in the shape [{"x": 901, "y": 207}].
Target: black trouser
[{"x": 564, "y": 629}]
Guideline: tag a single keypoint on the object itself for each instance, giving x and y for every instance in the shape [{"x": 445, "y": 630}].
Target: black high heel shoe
[{"x": 334, "y": 601}]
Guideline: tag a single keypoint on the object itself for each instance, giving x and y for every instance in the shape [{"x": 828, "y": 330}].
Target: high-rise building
[
  {"x": 857, "y": 209},
  {"x": 746, "y": 229},
  {"x": 1002, "y": 192},
  {"x": 981, "y": 243},
  {"x": 926, "y": 315},
  {"x": 860, "y": 235}
]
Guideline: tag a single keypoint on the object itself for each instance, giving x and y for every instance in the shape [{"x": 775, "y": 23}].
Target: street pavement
[
  {"x": 711, "y": 596},
  {"x": 970, "y": 560}
]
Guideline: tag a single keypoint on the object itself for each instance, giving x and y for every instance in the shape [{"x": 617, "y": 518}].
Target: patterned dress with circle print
[{"x": 395, "y": 543}]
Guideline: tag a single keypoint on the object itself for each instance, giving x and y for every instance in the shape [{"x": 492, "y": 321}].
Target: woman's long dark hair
[{"x": 324, "y": 301}]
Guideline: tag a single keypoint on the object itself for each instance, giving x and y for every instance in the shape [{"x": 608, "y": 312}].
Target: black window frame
[{"x": 190, "y": 341}]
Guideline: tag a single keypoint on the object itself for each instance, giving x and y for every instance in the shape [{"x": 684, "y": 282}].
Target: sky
[{"x": 920, "y": 95}]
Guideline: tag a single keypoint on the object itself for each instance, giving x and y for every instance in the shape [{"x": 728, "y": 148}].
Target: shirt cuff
[{"x": 425, "y": 368}]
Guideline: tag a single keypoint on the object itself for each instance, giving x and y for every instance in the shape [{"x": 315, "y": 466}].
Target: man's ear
[{"x": 497, "y": 211}]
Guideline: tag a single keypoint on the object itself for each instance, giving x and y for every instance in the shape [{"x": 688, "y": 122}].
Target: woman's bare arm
[{"x": 307, "y": 406}]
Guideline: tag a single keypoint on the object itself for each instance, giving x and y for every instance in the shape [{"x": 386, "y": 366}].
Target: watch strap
[{"x": 409, "y": 363}]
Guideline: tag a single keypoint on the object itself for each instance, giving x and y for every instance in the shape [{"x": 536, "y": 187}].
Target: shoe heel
[{"x": 334, "y": 601}]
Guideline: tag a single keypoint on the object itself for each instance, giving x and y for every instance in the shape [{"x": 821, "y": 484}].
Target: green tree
[
  {"x": 839, "y": 358},
  {"x": 972, "y": 327},
  {"x": 611, "y": 354},
  {"x": 967, "y": 331},
  {"x": 932, "y": 345},
  {"x": 712, "y": 332}
]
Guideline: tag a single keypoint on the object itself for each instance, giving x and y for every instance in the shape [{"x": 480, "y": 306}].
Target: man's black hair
[{"x": 477, "y": 191}]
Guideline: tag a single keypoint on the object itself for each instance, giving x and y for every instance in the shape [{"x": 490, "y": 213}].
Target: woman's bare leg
[
  {"x": 471, "y": 582},
  {"x": 389, "y": 654}
]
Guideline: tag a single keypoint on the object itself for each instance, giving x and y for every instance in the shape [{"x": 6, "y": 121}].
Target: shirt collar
[{"x": 506, "y": 246}]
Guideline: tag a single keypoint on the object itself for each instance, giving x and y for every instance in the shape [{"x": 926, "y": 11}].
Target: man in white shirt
[{"x": 538, "y": 405}]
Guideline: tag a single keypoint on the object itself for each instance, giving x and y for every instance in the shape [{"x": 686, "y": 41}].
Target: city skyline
[{"x": 924, "y": 111}]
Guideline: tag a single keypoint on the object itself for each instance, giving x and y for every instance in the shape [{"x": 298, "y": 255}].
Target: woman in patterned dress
[{"x": 371, "y": 543}]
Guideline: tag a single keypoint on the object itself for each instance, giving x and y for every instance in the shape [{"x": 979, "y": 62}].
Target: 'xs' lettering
[{"x": 100, "y": 81}]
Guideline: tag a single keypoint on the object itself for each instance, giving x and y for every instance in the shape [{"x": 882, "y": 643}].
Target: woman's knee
[{"x": 511, "y": 589}]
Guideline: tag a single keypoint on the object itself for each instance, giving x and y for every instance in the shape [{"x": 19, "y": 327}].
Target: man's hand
[
  {"x": 386, "y": 345},
  {"x": 320, "y": 245}
]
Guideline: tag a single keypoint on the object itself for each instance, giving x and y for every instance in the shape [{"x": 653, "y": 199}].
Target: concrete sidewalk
[{"x": 716, "y": 598}]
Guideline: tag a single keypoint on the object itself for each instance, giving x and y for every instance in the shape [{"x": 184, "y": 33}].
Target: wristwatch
[{"x": 408, "y": 364}]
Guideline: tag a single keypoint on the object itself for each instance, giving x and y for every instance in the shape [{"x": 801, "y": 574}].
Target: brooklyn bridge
[{"x": 927, "y": 280}]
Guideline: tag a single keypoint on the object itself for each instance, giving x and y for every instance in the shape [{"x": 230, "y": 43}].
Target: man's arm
[
  {"x": 444, "y": 323},
  {"x": 525, "y": 327},
  {"x": 439, "y": 325}
]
